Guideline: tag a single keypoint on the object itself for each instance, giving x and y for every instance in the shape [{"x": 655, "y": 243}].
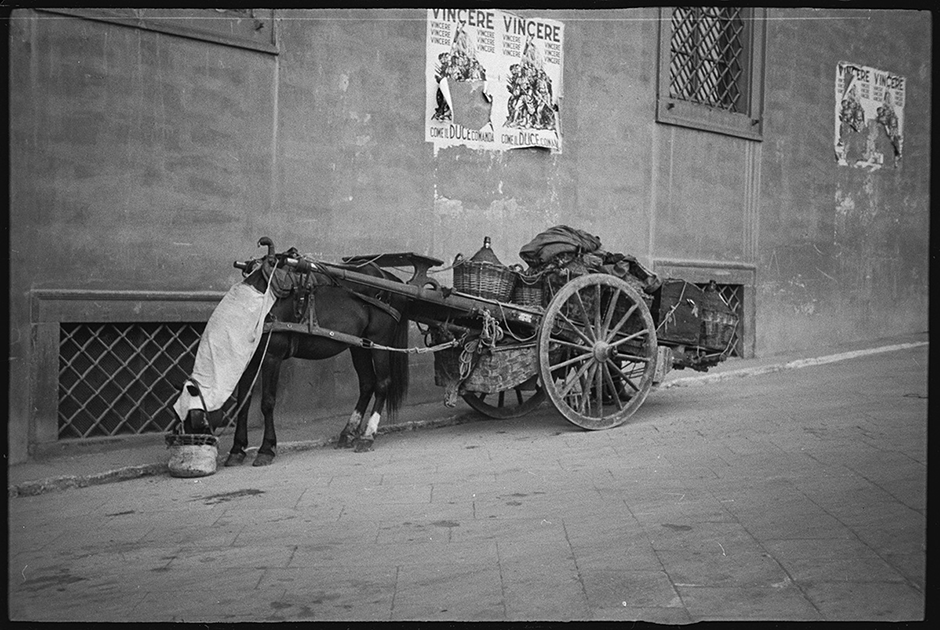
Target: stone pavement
[{"x": 793, "y": 494}]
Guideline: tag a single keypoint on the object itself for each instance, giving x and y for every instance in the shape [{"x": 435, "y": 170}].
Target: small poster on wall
[
  {"x": 869, "y": 121},
  {"x": 494, "y": 80}
]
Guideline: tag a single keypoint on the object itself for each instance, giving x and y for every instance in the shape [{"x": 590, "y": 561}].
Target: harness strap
[
  {"x": 313, "y": 281},
  {"x": 309, "y": 316},
  {"x": 391, "y": 310},
  {"x": 351, "y": 340}
]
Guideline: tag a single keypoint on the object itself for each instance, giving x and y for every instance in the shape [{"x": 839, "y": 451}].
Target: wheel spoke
[
  {"x": 585, "y": 407},
  {"x": 570, "y": 344},
  {"x": 518, "y": 396},
  {"x": 621, "y": 323},
  {"x": 587, "y": 318},
  {"x": 576, "y": 379},
  {"x": 598, "y": 332},
  {"x": 502, "y": 399},
  {"x": 599, "y": 389},
  {"x": 609, "y": 316},
  {"x": 629, "y": 337},
  {"x": 623, "y": 376},
  {"x": 633, "y": 358},
  {"x": 577, "y": 330},
  {"x": 571, "y": 361},
  {"x": 588, "y": 383},
  {"x": 613, "y": 387}
]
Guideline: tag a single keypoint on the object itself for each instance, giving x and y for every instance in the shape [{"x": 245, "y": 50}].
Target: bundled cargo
[{"x": 689, "y": 315}]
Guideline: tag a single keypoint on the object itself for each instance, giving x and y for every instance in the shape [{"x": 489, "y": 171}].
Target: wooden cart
[{"x": 595, "y": 346}]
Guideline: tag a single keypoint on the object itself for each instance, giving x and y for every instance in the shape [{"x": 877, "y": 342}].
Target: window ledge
[{"x": 670, "y": 111}]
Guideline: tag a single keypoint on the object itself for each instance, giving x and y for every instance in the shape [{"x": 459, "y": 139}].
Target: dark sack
[{"x": 557, "y": 240}]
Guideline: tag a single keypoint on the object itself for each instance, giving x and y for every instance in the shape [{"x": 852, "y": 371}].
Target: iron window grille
[
  {"x": 706, "y": 56},
  {"x": 122, "y": 378},
  {"x": 711, "y": 69}
]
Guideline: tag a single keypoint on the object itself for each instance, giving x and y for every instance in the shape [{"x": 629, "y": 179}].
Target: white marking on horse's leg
[
  {"x": 354, "y": 420},
  {"x": 373, "y": 426}
]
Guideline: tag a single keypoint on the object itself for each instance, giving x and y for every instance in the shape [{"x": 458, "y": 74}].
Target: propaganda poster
[
  {"x": 869, "y": 121},
  {"x": 494, "y": 80}
]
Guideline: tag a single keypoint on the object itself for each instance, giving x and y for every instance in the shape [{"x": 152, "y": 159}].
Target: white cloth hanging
[{"x": 230, "y": 339}]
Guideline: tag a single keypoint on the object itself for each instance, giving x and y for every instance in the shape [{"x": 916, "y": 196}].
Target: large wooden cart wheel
[
  {"x": 597, "y": 351},
  {"x": 511, "y": 403}
]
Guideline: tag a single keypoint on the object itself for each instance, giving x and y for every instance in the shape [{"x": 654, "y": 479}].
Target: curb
[
  {"x": 780, "y": 367},
  {"x": 66, "y": 482},
  {"x": 33, "y": 488}
]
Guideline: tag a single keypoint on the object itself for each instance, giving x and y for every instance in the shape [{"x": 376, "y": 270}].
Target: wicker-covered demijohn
[{"x": 484, "y": 275}]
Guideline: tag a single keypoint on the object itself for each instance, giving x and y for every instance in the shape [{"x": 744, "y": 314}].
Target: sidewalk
[{"x": 76, "y": 465}]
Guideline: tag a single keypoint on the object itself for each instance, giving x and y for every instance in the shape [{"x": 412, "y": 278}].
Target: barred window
[{"x": 711, "y": 66}]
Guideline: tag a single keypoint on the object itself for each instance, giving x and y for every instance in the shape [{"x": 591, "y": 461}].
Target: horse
[{"x": 383, "y": 374}]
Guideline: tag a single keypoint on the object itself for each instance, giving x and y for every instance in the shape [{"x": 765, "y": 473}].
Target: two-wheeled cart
[{"x": 594, "y": 347}]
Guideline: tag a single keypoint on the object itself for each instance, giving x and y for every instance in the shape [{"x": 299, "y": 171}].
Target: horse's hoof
[
  {"x": 364, "y": 445},
  {"x": 263, "y": 459},
  {"x": 345, "y": 441},
  {"x": 234, "y": 459}
]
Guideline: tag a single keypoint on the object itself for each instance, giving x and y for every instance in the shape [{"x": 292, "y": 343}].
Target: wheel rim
[
  {"x": 511, "y": 403},
  {"x": 597, "y": 351}
]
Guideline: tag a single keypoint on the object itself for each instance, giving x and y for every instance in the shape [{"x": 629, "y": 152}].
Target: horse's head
[{"x": 270, "y": 272}]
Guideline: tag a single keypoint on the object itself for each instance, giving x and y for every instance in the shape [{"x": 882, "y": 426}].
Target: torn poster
[
  {"x": 494, "y": 80},
  {"x": 869, "y": 117}
]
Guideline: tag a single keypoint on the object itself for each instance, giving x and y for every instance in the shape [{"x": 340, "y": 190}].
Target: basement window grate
[
  {"x": 733, "y": 297},
  {"x": 119, "y": 379}
]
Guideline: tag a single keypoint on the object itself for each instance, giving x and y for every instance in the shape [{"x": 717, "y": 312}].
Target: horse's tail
[
  {"x": 398, "y": 361},
  {"x": 398, "y": 364}
]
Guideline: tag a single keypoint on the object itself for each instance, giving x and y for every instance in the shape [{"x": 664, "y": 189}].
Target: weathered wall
[
  {"x": 843, "y": 251},
  {"x": 137, "y": 161},
  {"x": 142, "y": 160}
]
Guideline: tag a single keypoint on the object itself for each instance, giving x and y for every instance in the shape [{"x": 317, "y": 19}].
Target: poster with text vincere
[
  {"x": 869, "y": 117},
  {"x": 494, "y": 80}
]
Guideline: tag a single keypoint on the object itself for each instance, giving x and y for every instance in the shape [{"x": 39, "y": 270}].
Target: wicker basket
[
  {"x": 495, "y": 370},
  {"x": 192, "y": 455},
  {"x": 528, "y": 290},
  {"x": 718, "y": 329},
  {"x": 484, "y": 280}
]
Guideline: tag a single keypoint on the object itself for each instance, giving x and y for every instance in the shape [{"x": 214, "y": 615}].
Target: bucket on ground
[{"x": 192, "y": 455}]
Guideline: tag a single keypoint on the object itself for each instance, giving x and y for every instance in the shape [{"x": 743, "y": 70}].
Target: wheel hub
[{"x": 602, "y": 351}]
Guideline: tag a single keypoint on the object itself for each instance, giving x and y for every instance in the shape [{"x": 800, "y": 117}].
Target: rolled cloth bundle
[
  {"x": 576, "y": 249},
  {"x": 557, "y": 240}
]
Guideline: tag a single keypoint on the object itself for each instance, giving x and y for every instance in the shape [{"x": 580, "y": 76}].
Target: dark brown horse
[{"x": 383, "y": 375}]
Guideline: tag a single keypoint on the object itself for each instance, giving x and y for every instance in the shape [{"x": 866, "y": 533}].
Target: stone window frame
[
  {"x": 722, "y": 272},
  {"x": 50, "y": 308}
]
